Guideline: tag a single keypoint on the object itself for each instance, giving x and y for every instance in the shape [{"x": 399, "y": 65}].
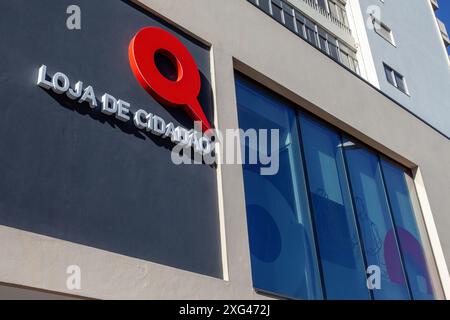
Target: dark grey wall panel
[{"x": 69, "y": 172}]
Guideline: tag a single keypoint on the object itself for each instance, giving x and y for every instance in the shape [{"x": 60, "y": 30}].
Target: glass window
[
  {"x": 383, "y": 30},
  {"x": 323, "y": 40},
  {"x": 345, "y": 59},
  {"x": 283, "y": 253},
  {"x": 375, "y": 221},
  {"x": 344, "y": 15},
  {"x": 389, "y": 75},
  {"x": 300, "y": 24},
  {"x": 311, "y": 34},
  {"x": 289, "y": 19},
  {"x": 338, "y": 12},
  {"x": 351, "y": 63},
  {"x": 334, "y": 210},
  {"x": 322, "y": 4},
  {"x": 265, "y": 5},
  {"x": 407, "y": 231},
  {"x": 293, "y": 19},
  {"x": 348, "y": 57},
  {"x": 400, "y": 81},
  {"x": 277, "y": 10},
  {"x": 333, "y": 46},
  {"x": 340, "y": 252},
  {"x": 356, "y": 64},
  {"x": 396, "y": 79},
  {"x": 334, "y": 10}
]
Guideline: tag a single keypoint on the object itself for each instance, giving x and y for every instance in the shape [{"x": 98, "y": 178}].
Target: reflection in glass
[
  {"x": 283, "y": 253},
  {"x": 333, "y": 209},
  {"x": 376, "y": 225},
  {"x": 408, "y": 233},
  {"x": 340, "y": 253}
]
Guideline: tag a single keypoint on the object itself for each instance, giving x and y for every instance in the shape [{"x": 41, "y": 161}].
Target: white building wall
[{"x": 418, "y": 54}]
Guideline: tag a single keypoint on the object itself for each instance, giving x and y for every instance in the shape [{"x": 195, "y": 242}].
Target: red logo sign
[{"x": 182, "y": 92}]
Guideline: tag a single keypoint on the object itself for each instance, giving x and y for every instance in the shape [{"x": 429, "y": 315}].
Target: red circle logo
[{"x": 184, "y": 90}]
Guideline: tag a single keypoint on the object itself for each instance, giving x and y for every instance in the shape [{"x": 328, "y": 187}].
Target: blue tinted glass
[
  {"x": 376, "y": 226},
  {"x": 281, "y": 240},
  {"x": 340, "y": 253},
  {"x": 407, "y": 231}
]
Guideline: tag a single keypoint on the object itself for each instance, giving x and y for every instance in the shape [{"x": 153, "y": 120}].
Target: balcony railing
[
  {"x": 328, "y": 15},
  {"x": 307, "y": 29},
  {"x": 435, "y": 4},
  {"x": 444, "y": 32}
]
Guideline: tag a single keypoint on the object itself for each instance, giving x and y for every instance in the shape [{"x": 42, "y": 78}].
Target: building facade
[
  {"x": 93, "y": 204},
  {"x": 395, "y": 50}
]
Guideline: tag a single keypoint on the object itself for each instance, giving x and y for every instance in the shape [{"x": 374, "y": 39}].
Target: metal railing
[
  {"x": 326, "y": 14},
  {"x": 307, "y": 29},
  {"x": 435, "y": 4},
  {"x": 444, "y": 32}
]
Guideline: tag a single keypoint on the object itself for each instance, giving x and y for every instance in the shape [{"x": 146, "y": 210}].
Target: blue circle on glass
[{"x": 265, "y": 235}]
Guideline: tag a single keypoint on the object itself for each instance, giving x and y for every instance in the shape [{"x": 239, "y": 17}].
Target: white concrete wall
[{"x": 418, "y": 54}]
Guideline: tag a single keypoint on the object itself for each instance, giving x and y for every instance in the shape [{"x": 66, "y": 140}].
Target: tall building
[
  {"x": 350, "y": 201},
  {"x": 395, "y": 51}
]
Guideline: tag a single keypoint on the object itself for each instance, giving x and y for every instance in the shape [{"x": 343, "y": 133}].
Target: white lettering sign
[{"x": 121, "y": 110}]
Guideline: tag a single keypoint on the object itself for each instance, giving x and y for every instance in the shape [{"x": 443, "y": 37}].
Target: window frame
[
  {"x": 308, "y": 29},
  {"x": 393, "y": 79},
  {"x": 377, "y": 25},
  {"x": 418, "y": 214}
]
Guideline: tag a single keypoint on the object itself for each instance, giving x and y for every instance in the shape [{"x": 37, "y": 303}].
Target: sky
[{"x": 444, "y": 14}]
